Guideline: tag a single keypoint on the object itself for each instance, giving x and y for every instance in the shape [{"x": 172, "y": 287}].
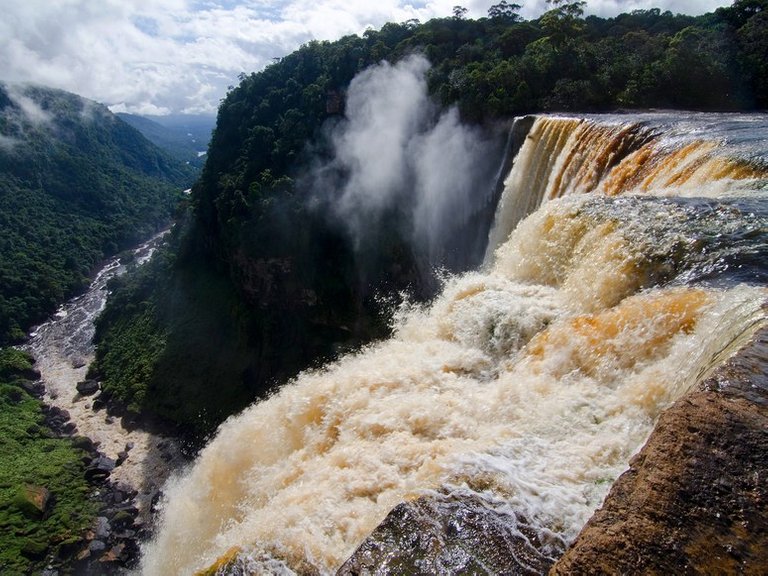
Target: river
[{"x": 63, "y": 349}]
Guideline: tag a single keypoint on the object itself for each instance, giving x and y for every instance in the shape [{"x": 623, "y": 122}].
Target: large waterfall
[{"x": 624, "y": 257}]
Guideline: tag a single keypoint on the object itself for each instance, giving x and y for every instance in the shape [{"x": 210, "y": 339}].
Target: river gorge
[
  {"x": 63, "y": 349},
  {"x": 626, "y": 264},
  {"x": 595, "y": 394}
]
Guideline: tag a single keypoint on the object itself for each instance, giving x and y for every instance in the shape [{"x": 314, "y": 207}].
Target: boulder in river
[
  {"x": 33, "y": 388},
  {"x": 100, "y": 469},
  {"x": 87, "y": 387},
  {"x": 30, "y": 373}
]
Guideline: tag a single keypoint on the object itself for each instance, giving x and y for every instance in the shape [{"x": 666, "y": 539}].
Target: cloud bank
[{"x": 176, "y": 56}]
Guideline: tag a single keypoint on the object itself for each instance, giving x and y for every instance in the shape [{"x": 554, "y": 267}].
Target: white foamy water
[{"x": 531, "y": 383}]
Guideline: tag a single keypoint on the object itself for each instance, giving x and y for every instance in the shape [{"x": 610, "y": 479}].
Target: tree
[
  {"x": 573, "y": 9},
  {"x": 750, "y": 17},
  {"x": 564, "y": 21},
  {"x": 505, "y": 11},
  {"x": 743, "y": 10},
  {"x": 459, "y": 12}
]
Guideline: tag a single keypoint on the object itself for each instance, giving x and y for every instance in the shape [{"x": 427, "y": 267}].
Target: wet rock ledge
[{"x": 453, "y": 534}]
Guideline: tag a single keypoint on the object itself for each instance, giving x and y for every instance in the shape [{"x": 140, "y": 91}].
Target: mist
[
  {"x": 7, "y": 143},
  {"x": 395, "y": 152},
  {"x": 32, "y": 112}
]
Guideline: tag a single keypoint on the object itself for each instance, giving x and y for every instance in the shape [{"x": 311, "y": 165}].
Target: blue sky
[{"x": 174, "y": 56}]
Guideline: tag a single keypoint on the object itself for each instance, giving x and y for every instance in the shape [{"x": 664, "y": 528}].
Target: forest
[
  {"x": 261, "y": 281},
  {"x": 76, "y": 185}
]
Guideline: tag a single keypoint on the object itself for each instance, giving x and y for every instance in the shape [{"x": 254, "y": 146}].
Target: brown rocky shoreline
[
  {"x": 122, "y": 520},
  {"x": 127, "y": 458}
]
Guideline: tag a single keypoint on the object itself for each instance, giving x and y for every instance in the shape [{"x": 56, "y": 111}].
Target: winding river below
[{"x": 63, "y": 348}]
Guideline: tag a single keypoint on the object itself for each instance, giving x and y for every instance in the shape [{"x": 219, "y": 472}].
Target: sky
[{"x": 157, "y": 57}]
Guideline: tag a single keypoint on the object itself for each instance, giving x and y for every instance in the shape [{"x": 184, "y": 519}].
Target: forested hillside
[
  {"x": 184, "y": 138},
  {"x": 268, "y": 275},
  {"x": 36, "y": 461},
  {"x": 76, "y": 185}
]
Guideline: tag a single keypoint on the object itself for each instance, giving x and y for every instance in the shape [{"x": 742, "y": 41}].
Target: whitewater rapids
[{"x": 530, "y": 383}]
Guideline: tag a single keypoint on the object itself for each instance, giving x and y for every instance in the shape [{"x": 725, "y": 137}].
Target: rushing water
[
  {"x": 63, "y": 348},
  {"x": 624, "y": 257}
]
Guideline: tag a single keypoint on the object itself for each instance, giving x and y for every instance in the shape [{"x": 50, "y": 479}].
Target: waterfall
[
  {"x": 625, "y": 256},
  {"x": 564, "y": 156}
]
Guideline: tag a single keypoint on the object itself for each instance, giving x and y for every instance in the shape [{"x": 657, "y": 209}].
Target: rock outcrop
[
  {"x": 33, "y": 501},
  {"x": 452, "y": 534},
  {"x": 87, "y": 387}
]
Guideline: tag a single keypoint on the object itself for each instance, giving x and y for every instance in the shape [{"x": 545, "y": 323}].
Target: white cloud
[
  {"x": 692, "y": 7},
  {"x": 180, "y": 55}
]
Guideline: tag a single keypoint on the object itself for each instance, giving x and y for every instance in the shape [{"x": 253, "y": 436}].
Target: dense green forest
[
  {"x": 76, "y": 185},
  {"x": 277, "y": 284}
]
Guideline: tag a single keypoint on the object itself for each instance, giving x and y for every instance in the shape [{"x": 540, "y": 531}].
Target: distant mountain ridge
[
  {"x": 77, "y": 184},
  {"x": 185, "y": 137}
]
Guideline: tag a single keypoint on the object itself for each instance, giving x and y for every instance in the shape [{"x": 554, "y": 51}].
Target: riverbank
[
  {"x": 63, "y": 350},
  {"x": 125, "y": 465}
]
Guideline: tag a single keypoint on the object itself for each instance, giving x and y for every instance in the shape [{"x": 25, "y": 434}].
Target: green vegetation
[
  {"x": 184, "y": 137},
  {"x": 76, "y": 185},
  {"x": 150, "y": 354},
  {"x": 179, "y": 341},
  {"x": 261, "y": 279},
  {"x": 36, "y": 471}
]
